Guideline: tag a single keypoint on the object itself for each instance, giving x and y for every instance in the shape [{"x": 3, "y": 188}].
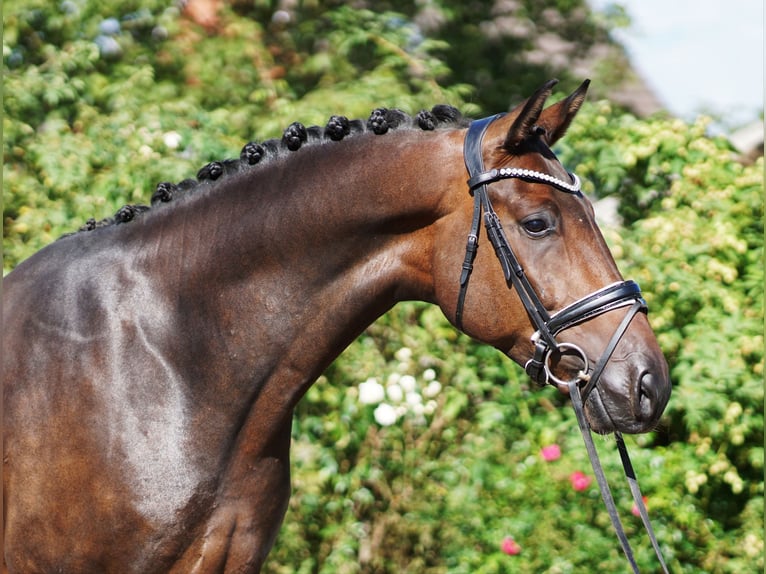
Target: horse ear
[
  {"x": 522, "y": 126},
  {"x": 556, "y": 119}
]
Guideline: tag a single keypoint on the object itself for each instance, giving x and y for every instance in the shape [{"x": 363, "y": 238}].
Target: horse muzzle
[
  {"x": 631, "y": 396},
  {"x": 632, "y": 385}
]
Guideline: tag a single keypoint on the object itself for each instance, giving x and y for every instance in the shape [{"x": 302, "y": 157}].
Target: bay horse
[{"x": 152, "y": 361}]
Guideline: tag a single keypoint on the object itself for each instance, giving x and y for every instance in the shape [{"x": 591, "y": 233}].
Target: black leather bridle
[{"x": 547, "y": 325}]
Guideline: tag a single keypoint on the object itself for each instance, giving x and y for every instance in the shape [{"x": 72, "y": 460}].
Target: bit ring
[{"x": 582, "y": 376}]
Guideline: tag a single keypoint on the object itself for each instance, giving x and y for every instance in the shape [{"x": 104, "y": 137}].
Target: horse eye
[{"x": 536, "y": 226}]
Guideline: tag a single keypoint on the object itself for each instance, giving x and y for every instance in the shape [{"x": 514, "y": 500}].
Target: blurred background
[{"x": 420, "y": 450}]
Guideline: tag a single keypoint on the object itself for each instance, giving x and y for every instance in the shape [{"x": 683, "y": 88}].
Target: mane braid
[{"x": 295, "y": 136}]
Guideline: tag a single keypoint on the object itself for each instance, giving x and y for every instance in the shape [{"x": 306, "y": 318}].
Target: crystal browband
[{"x": 528, "y": 175}]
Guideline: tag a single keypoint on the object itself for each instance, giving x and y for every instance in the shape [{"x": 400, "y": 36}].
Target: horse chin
[{"x": 599, "y": 418}]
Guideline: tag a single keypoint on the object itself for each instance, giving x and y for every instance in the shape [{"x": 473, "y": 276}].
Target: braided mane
[{"x": 380, "y": 122}]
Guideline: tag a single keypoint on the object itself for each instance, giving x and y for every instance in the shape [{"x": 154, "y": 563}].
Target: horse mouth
[{"x": 602, "y": 421}]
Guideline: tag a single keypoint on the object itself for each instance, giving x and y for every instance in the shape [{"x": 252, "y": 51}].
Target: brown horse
[{"x": 151, "y": 367}]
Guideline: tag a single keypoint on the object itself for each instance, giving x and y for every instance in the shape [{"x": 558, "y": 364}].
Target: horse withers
[{"x": 152, "y": 361}]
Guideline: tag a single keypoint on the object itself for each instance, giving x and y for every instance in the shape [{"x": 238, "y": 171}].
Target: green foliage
[{"x": 95, "y": 115}]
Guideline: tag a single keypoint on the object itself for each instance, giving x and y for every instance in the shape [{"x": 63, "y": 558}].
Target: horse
[{"x": 152, "y": 360}]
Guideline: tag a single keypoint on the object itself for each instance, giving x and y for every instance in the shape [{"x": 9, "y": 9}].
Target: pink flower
[
  {"x": 580, "y": 481},
  {"x": 510, "y": 546},
  {"x": 551, "y": 452},
  {"x": 635, "y": 510}
]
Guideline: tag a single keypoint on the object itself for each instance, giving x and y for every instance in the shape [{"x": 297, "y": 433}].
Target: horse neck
[
  {"x": 309, "y": 249},
  {"x": 331, "y": 209}
]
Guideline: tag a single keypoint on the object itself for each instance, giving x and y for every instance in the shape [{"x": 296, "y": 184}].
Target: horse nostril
[{"x": 650, "y": 403}]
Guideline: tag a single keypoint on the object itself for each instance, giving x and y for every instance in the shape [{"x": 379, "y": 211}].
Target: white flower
[
  {"x": 172, "y": 140},
  {"x": 433, "y": 389},
  {"x": 408, "y": 383},
  {"x": 414, "y": 399},
  {"x": 371, "y": 392},
  {"x": 395, "y": 393},
  {"x": 403, "y": 355},
  {"x": 429, "y": 375},
  {"x": 385, "y": 415}
]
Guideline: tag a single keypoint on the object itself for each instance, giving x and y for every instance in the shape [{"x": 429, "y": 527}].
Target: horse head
[{"x": 556, "y": 303}]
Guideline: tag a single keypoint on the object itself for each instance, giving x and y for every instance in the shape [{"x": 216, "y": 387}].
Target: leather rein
[{"x": 616, "y": 295}]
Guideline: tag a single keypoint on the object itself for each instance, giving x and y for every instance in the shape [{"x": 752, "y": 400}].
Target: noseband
[{"x": 547, "y": 325}]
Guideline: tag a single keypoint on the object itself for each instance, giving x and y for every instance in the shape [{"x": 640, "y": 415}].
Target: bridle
[{"x": 547, "y": 325}]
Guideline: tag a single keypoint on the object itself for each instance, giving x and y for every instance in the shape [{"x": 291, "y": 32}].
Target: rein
[{"x": 616, "y": 295}]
